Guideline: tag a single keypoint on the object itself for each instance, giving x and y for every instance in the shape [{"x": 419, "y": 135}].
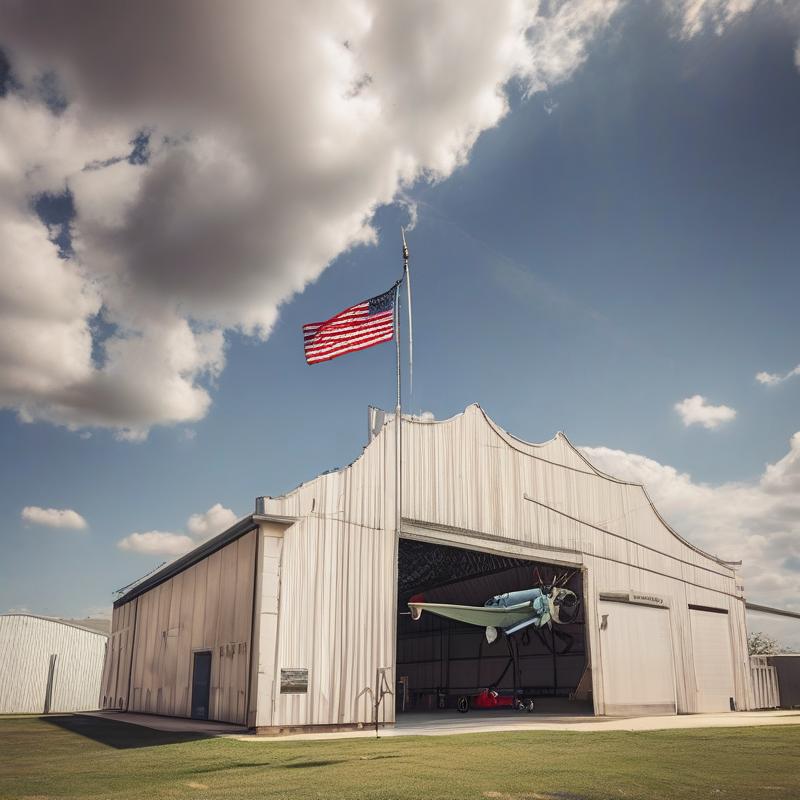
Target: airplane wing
[{"x": 485, "y": 616}]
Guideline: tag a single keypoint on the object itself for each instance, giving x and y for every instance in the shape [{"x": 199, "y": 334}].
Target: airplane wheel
[{"x": 463, "y": 704}]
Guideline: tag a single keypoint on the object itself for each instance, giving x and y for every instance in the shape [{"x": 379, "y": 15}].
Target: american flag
[{"x": 356, "y": 328}]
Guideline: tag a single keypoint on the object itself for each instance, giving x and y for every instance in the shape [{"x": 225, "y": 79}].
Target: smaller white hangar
[
  {"x": 50, "y": 665},
  {"x": 297, "y": 616}
]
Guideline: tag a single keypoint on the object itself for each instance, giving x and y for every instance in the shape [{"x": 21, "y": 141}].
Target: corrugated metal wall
[
  {"x": 468, "y": 483},
  {"x": 117, "y": 670},
  {"x": 338, "y": 590},
  {"x": 26, "y": 646},
  {"x": 206, "y": 607},
  {"x": 766, "y": 693}
]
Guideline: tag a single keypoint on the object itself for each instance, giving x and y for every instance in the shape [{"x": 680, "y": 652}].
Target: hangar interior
[{"x": 442, "y": 661}]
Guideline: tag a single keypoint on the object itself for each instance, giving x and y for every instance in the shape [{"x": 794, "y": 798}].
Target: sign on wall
[
  {"x": 637, "y": 597},
  {"x": 294, "y": 680}
]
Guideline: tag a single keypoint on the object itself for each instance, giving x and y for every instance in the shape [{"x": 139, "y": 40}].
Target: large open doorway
[{"x": 446, "y": 666}]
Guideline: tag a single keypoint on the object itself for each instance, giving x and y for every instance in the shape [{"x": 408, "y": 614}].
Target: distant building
[
  {"x": 50, "y": 665},
  {"x": 296, "y": 616}
]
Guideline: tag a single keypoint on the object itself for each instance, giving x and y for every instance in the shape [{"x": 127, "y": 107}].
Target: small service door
[
  {"x": 713, "y": 660},
  {"x": 201, "y": 684},
  {"x": 636, "y": 656}
]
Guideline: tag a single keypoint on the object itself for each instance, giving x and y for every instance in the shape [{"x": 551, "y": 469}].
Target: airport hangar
[{"x": 296, "y": 618}]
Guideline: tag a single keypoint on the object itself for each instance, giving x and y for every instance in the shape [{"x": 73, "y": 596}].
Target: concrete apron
[
  {"x": 444, "y": 724},
  {"x": 451, "y": 723},
  {"x": 170, "y": 724}
]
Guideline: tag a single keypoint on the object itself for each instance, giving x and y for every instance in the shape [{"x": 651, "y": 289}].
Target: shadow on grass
[
  {"x": 327, "y": 762},
  {"x": 119, "y": 735}
]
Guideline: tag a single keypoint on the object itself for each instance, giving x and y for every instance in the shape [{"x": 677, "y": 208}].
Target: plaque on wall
[
  {"x": 636, "y": 597},
  {"x": 294, "y": 681}
]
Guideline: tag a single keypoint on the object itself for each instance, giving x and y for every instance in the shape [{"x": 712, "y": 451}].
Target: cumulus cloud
[
  {"x": 696, "y": 410},
  {"x": 266, "y": 136},
  {"x": 774, "y": 378},
  {"x": 697, "y": 15},
  {"x": 168, "y": 543},
  {"x": 218, "y": 157},
  {"x": 757, "y": 521},
  {"x": 54, "y": 517},
  {"x": 161, "y": 543},
  {"x": 213, "y": 521}
]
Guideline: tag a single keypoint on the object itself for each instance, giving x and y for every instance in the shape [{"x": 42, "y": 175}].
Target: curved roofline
[
  {"x": 647, "y": 497},
  {"x": 499, "y": 429},
  {"x": 510, "y": 439},
  {"x": 514, "y": 442},
  {"x": 600, "y": 474},
  {"x": 55, "y": 619}
]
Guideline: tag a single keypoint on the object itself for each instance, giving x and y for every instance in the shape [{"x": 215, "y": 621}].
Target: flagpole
[{"x": 398, "y": 411}]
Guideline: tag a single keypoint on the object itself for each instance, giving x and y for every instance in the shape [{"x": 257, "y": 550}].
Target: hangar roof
[
  {"x": 558, "y": 452},
  {"x": 101, "y": 627},
  {"x": 243, "y": 526}
]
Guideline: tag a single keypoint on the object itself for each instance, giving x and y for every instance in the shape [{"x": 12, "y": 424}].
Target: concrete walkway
[
  {"x": 448, "y": 723},
  {"x": 170, "y": 724}
]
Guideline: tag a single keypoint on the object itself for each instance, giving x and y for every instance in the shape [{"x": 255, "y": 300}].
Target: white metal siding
[
  {"x": 26, "y": 644},
  {"x": 711, "y": 641},
  {"x": 206, "y": 607},
  {"x": 268, "y": 584},
  {"x": 766, "y": 693},
  {"x": 637, "y": 661},
  {"x": 117, "y": 670},
  {"x": 336, "y": 620},
  {"x": 465, "y": 483}
]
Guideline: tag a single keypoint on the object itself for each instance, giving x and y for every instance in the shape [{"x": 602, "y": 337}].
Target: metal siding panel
[
  {"x": 713, "y": 669},
  {"x": 208, "y": 606},
  {"x": 26, "y": 644},
  {"x": 638, "y": 663}
]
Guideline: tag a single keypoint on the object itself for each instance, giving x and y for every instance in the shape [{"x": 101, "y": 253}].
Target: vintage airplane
[{"x": 512, "y": 611}]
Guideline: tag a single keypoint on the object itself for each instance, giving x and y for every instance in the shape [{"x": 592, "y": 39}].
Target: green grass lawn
[{"x": 74, "y": 756}]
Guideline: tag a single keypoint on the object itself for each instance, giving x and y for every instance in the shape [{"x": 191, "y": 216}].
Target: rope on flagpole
[{"x": 407, "y": 276}]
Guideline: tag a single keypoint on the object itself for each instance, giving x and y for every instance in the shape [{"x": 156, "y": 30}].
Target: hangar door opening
[{"x": 451, "y": 664}]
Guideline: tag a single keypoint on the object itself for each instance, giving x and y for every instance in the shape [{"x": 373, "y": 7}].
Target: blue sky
[{"x": 618, "y": 242}]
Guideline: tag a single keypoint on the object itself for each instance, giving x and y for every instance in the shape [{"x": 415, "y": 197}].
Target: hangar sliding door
[
  {"x": 637, "y": 662},
  {"x": 713, "y": 670}
]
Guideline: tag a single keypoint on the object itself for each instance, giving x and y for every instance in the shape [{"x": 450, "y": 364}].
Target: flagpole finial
[{"x": 405, "y": 246}]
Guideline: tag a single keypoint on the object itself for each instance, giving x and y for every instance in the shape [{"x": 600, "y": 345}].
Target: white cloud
[
  {"x": 54, "y": 517},
  {"x": 168, "y": 543},
  {"x": 697, "y": 15},
  {"x": 157, "y": 543},
  {"x": 757, "y": 521},
  {"x": 773, "y": 378},
  {"x": 265, "y": 162},
  {"x": 247, "y": 193},
  {"x": 696, "y": 410},
  {"x": 214, "y": 521}
]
